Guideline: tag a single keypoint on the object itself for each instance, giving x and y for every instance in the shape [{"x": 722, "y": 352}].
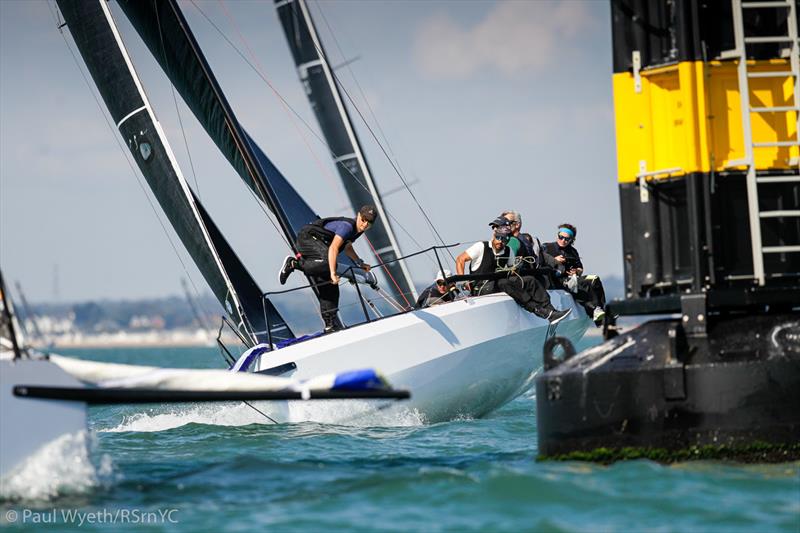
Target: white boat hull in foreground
[{"x": 461, "y": 359}]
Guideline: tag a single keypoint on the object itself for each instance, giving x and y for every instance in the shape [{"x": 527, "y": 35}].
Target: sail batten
[
  {"x": 326, "y": 101},
  {"x": 99, "y": 43}
]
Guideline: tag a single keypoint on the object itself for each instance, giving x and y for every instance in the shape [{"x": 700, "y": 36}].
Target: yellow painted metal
[{"x": 688, "y": 117}]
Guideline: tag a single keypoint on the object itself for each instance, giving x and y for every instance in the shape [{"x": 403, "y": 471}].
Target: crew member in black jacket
[
  {"x": 588, "y": 290},
  {"x": 318, "y": 246}
]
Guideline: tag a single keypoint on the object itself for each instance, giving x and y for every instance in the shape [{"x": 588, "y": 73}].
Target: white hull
[
  {"x": 26, "y": 425},
  {"x": 462, "y": 359}
]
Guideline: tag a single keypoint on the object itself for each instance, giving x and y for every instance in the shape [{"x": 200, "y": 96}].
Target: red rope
[{"x": 386, "y": 269}]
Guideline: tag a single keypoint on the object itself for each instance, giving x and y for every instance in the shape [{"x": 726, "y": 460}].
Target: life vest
[
  {"x": 490, "y": 263},
  {"x": 530, "y": 249},
  {"x": 317, "y": 230},
  {"x": 569, "y": 252}
]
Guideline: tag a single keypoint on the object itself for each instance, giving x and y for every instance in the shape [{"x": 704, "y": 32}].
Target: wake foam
[
  {"x": 59, "y": 468},
  {"x": 355, "y": 413},
  {"x": 347, "y": 413},
  {"x": 213, "y": 415}
]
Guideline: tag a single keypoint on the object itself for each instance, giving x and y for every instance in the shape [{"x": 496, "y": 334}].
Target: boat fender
[{"x": 550, "y": 360}]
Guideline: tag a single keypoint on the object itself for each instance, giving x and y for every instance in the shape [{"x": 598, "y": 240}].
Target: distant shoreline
[{"x": 180, "y": 338}]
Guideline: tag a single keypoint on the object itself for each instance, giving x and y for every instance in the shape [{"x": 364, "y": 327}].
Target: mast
[
  {"x": 104, "y": 53},
  {"x": 325, "y": 98},
  {"x": 29, "y": 315}
]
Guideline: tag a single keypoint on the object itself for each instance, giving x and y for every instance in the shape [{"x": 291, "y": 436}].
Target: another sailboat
[
  {"x": 43, "y": 397},
  {"x": 464, "y": 358}
]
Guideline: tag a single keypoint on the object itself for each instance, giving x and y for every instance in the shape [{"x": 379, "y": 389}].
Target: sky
[{"x": 482, "y": 106}]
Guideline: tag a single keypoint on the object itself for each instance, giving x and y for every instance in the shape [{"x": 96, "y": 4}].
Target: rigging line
[
  {"x": 322, "y": 141},
  {"x": 185, "y": 140},
  {"x": 361, "y": 90},
  {"x": 293, "y": 7},
  {"x": 251, "y": 406},
  {"x": 355, "y": 80},
  {"x": 247, "y": 159},
  {"x": 125, "y": 154},
  {"x": 175, "y": 101},
  {"x": 388, "y": 273},
  {"x": 324, "y": 169},
  {"x": 260, "y": 70}
]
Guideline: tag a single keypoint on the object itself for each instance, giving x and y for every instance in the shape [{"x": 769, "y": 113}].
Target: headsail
[
  {"x": 166, "y": 33},
  {"x": 96, "y": 36},
  {"x": 326, "y": 101}
]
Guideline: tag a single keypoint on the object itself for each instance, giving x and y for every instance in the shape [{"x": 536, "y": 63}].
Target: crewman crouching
[{"x": 318, "y": 246}]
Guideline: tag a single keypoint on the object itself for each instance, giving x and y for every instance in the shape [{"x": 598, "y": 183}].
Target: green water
[{"x": 224, "y": 467}]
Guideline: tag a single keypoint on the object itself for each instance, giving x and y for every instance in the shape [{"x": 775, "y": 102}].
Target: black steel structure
[{"x": 711, "y": 238}]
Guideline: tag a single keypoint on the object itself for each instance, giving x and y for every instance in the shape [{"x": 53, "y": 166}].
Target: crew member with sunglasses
[
  {"x": 485, "y": 257},
  {"x": 534, "y": 260},
  {"x": 524, "y": 289},
  {"x": 438, "y": 293},
  {"x": 318, "y": 246},
  {"x": 588, "y": 290}
]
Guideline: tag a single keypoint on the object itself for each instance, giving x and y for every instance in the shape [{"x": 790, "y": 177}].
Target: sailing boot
[
  {"x": 541, "y": 312},
  {"x": 332, "y": 322},
  {"x": 557, "y": 316},
  {"x": 289, "y": 266},
  {"x": 598, "y": 316}
]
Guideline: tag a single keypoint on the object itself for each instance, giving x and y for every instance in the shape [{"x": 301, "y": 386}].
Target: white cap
[{"x": 440, "y": 275}]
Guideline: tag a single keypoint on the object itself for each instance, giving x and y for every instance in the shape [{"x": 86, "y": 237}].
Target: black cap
[
  {"x": 500, "y": 222},
  {"x": 368, "y": 213}
]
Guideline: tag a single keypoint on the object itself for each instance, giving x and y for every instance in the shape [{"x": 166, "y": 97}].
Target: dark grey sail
[
  {"x": 166, "y": 33},
  {"x": 96, "y": 36},
  {"x": 326, "y": 101}
]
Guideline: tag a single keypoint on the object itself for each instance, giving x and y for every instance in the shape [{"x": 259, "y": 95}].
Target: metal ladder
[{"x": 753, "y": 177}]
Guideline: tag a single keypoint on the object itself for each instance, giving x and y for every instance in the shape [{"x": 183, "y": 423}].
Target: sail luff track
[
  {"x": 326, "y": 101},
  {"x": 99, "y": 43},
  {"x": 165, "y": 31}
]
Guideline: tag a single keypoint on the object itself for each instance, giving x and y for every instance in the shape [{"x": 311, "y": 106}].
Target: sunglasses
[{"x": 565, "y": 238}]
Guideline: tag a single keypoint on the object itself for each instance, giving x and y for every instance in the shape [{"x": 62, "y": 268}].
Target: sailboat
[
  {"x": 43, "y": 397},
  {"x": 464, "y": 358}
]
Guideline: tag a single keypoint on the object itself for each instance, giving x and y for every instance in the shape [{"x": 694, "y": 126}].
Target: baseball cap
[
  {"x": 442, "y": 274},
  {"x": 368, "y": 213},
  {"x": 500, "y": 222}
]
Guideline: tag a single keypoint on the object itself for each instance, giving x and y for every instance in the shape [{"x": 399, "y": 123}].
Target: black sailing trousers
[
  {"x": 528, "y": 292},
  {"x": 314, "y": 263},
  {"x": 590, "y": 294}
]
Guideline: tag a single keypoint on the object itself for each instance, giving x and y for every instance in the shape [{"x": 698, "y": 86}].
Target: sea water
[{"x": 227, "y": 468}]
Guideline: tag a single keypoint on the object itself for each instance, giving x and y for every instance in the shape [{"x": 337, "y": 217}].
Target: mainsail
[
  {"x": 166, "y": 33},
  {"x": 96, "y": 36},
  {"x": 326, "y": 101}
]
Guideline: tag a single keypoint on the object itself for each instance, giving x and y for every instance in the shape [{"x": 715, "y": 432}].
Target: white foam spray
[
  {"x": 212, "y": 414},
  {"x": 58, "y": 468}
]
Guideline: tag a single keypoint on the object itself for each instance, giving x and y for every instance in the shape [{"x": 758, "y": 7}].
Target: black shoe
[
  {"x": 556, "y": 316},
  {"x": 289, "y": 264}
]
